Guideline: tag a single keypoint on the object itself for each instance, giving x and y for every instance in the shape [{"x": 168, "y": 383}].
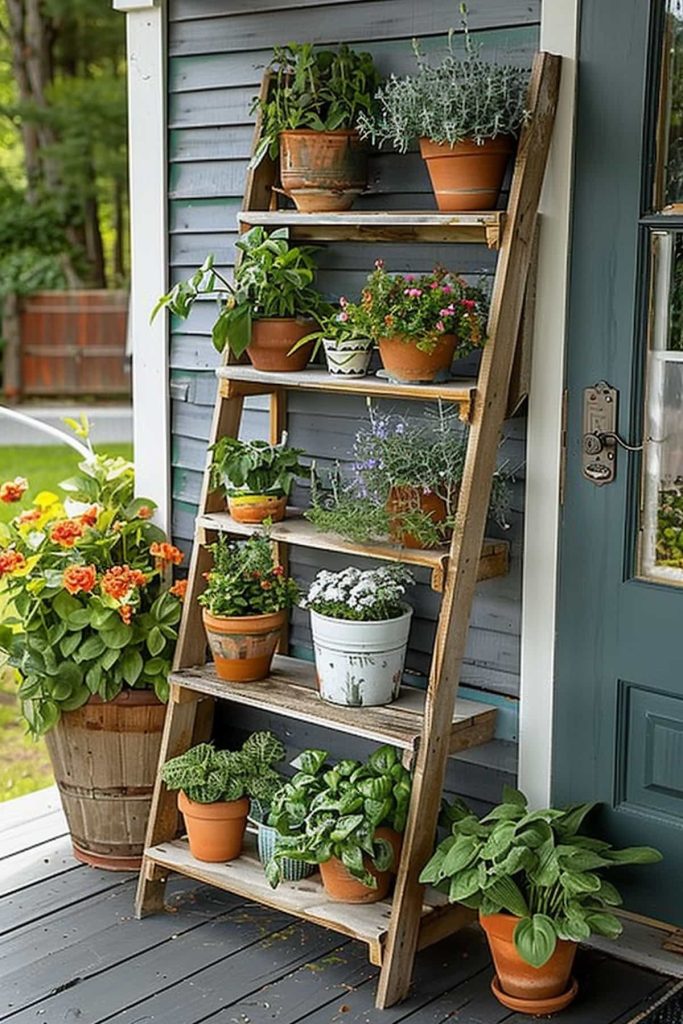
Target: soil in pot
[
  {"x": 403, "y": 500},
  {"x": 467, "y": 176},
  {"x": 360, "y": 664},
  {"x": 243, "y": 646},
  {"x": 255, "y": 508},
  {"x": 323, "y": 171},
  {"x": 405, "y": 363},
  {"x": 518, "y": 979},
  {"x": 215, "y": 831},
  {"x": 271, "y": 341},
  {"x": 104, "y": 756}
]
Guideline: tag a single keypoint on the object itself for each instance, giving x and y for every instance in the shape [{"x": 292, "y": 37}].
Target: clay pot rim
[
  {"x": 373, "y": 622},
  {"x": 129, "y": 696},
  {"x": 504, "y": 140},
  {"x": 217, "y": 621},
  {"x": 216, "y": 809},
  {"x": 337, "y": 132},
  {"x": 255, "y": 494},
  {"x": 412, "y": 339},
  {"x": 284, "y": 320}
]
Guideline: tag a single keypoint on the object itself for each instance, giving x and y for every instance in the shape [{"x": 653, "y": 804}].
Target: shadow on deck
[{"x": 71, "y": 951}]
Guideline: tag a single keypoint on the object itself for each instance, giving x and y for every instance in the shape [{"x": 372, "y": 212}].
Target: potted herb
[
  {"x": 422, "y": 322},
  {"x": 309, "y": 119},
  {"x": 245, "y": 606},
  {"x": 90, "y": 625},
  {"x": 537, "y": 883},
  {"x": 256, "y": 477},
  {"x": 347, "y": 818},
  {"x": 214, "y": 790},
  {"x": 270, "y": 305},
  {"x": 360, "y": 625},
  {"x": 404, "y": 482},
  {"x": 466, "y": 113}
]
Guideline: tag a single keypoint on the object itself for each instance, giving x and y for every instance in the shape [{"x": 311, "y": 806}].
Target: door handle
[{"x": 600, "y": 440}]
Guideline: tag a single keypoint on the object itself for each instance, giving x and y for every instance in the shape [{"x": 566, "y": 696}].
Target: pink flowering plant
[{"x": 422, "y": 308}]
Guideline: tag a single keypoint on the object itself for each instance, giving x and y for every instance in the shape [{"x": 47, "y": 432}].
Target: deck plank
[
  {"x": 37, "y": 864},
  {"x": 36, "y": 902}
]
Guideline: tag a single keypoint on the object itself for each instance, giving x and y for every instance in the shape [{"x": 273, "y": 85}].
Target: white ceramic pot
[
  {"x": 360, "y": 663},
  {"x": 348, "y": 358}
]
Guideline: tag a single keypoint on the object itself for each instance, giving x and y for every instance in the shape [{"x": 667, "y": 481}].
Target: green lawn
[{"x": 24, "y": 763}]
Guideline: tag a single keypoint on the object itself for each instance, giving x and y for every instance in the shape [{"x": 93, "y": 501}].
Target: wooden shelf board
[
  {"x": 383, "y": 225},
  {"x": 241, "y": 379},
  {"x": 245, "y": 877},
  {"x": 294, "y": 529},
  {"x": 290, "y": 690}
]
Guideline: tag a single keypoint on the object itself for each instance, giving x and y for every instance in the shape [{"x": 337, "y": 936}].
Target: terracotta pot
[
  {"x": 402, "y": 500},
  {"x": 104, "y": 756},
  {"x": 517, "y": 978},
  {"x": 407, "y": 364},
  {"x": 467, "y": 176},
  {"x": 215, "y": 831},
  {"x": 342, "y": 887},
  {"x": 271, "y": 340},
  {"x": 243, "y": 646},
  {"x": 254, "y": 508},
  {"x": 323, "y": 171}
]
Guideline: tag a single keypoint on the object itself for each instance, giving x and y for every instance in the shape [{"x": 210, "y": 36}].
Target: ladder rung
[{"x": 291, "y": 691}]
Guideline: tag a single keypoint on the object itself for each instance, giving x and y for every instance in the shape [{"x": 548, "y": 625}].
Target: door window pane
[
  {"x": 670, "y": 142},
  {"x": 662, "y": 527}
]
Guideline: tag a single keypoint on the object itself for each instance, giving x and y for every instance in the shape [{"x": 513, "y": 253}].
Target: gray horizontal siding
[{"x": 217, "y": 53}]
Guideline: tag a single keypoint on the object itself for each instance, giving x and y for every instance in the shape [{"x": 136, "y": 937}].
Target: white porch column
[
  {"x": 146, "y": 47},
  {"x": 559, "y": 34}
]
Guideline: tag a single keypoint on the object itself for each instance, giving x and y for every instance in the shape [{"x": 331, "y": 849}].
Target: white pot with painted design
[
  {"x": 349, "y": 358},
  {"x": 360, "y": 664}
]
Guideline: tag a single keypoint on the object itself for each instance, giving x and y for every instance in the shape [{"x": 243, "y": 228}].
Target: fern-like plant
[
  {"x": 461, "y": 98},
  {"x": 207, "y": 775}
]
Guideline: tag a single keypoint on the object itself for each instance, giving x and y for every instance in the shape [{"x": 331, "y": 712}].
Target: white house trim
[
  {"x": 559, "y": 34},
  {"x": 146, "y": 47}
]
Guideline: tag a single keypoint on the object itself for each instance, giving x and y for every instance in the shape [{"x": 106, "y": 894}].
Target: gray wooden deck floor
[{"x": 70, "y": 951}]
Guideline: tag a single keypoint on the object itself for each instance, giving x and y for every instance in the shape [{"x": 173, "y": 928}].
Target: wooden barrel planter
[{"x": 104, "y": 756}]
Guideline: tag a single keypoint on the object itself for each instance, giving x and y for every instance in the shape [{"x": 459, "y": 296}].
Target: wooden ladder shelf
[{"x": 427, "y": 727}]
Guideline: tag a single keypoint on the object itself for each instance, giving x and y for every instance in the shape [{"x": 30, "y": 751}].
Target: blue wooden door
[{"x": 618, "y": 727}]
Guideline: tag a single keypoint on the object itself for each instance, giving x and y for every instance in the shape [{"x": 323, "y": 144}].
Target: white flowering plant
[{"x": 360, "y": 596}]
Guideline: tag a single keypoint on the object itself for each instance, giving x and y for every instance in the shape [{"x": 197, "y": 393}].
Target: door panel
[{"x": 618, "y": 724}]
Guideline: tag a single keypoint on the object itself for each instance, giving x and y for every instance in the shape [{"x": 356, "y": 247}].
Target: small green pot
[{"x": 292, "y": 870}]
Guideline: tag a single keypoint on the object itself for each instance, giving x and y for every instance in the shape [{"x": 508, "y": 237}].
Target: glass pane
[
  {"x": 662, "y": 532},
  {"x": 670, "y": 142}
]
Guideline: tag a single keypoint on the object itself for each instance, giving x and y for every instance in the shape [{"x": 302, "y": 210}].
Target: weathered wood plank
[
  {"x": 37, "y": 864},
  {"x": 38, "y": 901}
]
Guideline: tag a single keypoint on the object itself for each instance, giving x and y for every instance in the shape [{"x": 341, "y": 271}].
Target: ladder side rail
[{"x": 490, "y": 407}]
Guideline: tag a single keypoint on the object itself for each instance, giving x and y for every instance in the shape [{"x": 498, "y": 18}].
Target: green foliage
[
  {"x": 325, "y": 90},
  {"x": 207, "y": 775},
  {"x": 461, "y": 98},
  {"x": 329, "y": 811},
  {"x": 91, "y": 611},
  {"x": 32, "y": 243},
  {"x": 360, "y": 596},
  {"x": 255, "y": 467},
  {"x": 535, "y": 865},
  {"x": 245, "y": 579},
  {"x": 273, "y": 279},
  {"x": 669, "y": 545}
]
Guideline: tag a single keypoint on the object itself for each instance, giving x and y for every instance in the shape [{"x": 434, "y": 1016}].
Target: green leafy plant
[
  {"x": 246, "y": 580},
  {"x": 323, "y": 90},
  {"x": 392, "y": 451},
  {"x": 327, "y": 811},
  {"x": 255, "y": 467},
  {"x": 359, "y": 596},
  {"x": 461, "y": 98},
  {"x": 207, "y": 775},
  {"x": 535, "y": 865},
  {"x": 91, "y": 611},
  {"x": 273, "y": 279}
]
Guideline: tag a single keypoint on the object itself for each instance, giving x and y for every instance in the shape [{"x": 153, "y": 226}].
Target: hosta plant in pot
[
  {"x": 267, "y": 308},
  {"x": 537, "y": 881},
  {"x": 348, "y": 818},
  {"x": 360, "y": 625},
  {"x": 256, "y": 477},
  {"x": 245, "y": 606},
  {"x": 90, "y": 625},
  {"x": 466, "y": 113},
  {"x": 403, "y": 482},
  {"x": 421, "y": 322},
  {"x": 309, "y": 119},
  {"x": 215, "y": 787}
]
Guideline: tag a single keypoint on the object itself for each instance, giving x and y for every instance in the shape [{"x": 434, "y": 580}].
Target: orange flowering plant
[{"x": 84, "y": 581}]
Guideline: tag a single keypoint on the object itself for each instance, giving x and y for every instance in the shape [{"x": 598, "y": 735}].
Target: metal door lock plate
[{"x": 598, "y": 449}]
